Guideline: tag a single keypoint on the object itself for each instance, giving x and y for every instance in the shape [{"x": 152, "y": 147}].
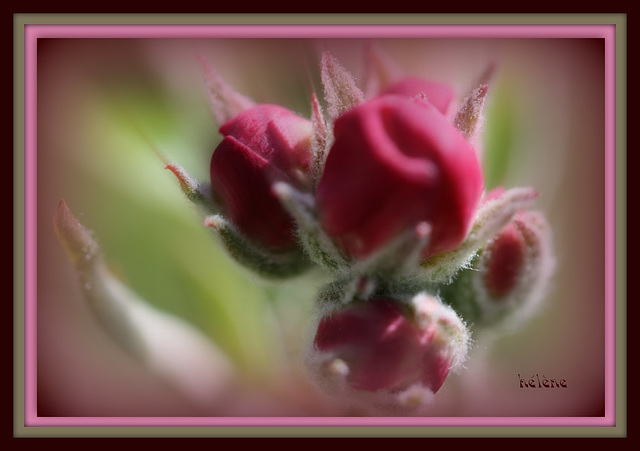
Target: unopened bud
[
  {"x": 515, "y": 267},
  {"x": 509, "y": 277},
  {"x": 388, "y": 348}
]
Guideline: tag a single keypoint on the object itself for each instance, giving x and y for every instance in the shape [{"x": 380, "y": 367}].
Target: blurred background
[{"x": 107, "y": 107}]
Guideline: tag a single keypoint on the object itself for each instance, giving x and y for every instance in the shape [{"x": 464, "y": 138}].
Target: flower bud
[
  {"x": 517, "y": 261},
  {"x": 504, "y": 261},
  {"x": 384, "y": 344},
  {"x": 496, "y": 210},
  {"x": 397, "y": 162},
  {"x": 261, "y": 146},
  {"x": 508, "y": 278}
]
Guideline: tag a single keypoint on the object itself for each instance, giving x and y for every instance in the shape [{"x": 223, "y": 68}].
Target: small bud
[
  {"x": 496, "y": 209},
  {"x": 508, "y": 278},
  {"x": 514, "y": 269},
  {"x": 388, "y": 348},
  {"x": 504, "y": 261},
  {"x": 261, "y": 146}
]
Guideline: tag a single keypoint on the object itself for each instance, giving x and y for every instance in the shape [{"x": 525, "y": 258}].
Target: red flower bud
[
  {"x": 396, "y": 162},
  {"x": 505, "y": 261},
  {"x": 439, "y": 95},
  {"x": 262, "y": 145},
  {"x": 518, "y": 257},
  {"x": 383, "y": 344}
]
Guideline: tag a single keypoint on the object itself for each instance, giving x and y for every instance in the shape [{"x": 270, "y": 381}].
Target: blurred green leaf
[
  {"x": 499, "y": 135},
  {"x": 154, "y": 239}
]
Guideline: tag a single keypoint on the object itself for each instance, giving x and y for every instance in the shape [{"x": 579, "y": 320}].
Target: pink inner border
[{"x": 34, "y": 32}]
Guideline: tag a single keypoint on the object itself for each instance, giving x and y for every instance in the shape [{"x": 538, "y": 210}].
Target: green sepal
[
  {"x": 267, "y": 263},
  {"x": 317, "y": 245},
  {"x": 195, "y": 191},
  {"x": 490, "y": 218}
]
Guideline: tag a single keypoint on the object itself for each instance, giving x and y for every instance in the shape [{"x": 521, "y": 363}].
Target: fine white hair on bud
[
  {"x": 195, "y": 191},
  {"x": 490, "y": 217},
  {"x": 451, "y": 329},
  {"x": 469, "y": 116},
  {"x": 389, "y": 353},
  {"x": 340, "y": 88},
  {"x": 262, "y": 261},
  {"x": 510, "y": 291},
  {"x": 320, "y": 141},
  {"x": 318, "y": 246}
]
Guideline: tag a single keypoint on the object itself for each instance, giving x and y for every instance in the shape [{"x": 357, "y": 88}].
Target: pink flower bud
[
  {"x": 396, "y": 162},
  {"x": 261, "y": 146},
  {"x": 505, "y": 261},
  {"x": 517, "y": 256},
  {"x": 384, "y": 344},
  {"x": 439, "y": 95}
]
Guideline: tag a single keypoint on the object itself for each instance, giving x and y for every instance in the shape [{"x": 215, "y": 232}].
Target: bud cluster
[{"x": 385, "y": 192}]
